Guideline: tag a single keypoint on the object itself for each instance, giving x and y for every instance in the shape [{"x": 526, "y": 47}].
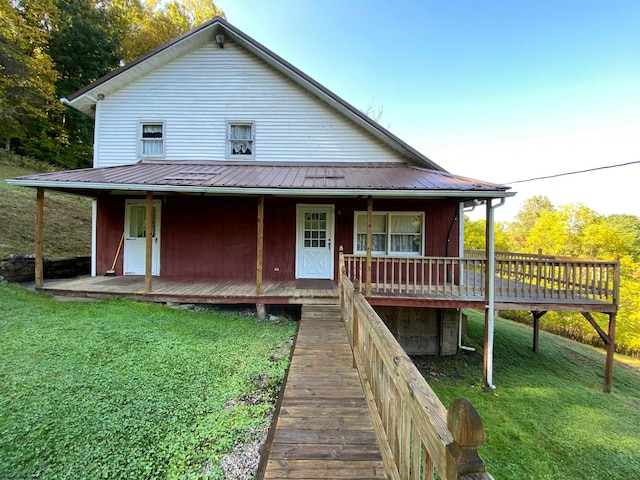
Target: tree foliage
[{"x": 51, "y": 48}]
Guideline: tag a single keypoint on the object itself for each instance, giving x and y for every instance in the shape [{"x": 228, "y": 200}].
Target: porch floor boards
[
  {"x": 192, "y": 290},
  {"x": 198, "y": 290},
  {"x": 323, "y": 428}
]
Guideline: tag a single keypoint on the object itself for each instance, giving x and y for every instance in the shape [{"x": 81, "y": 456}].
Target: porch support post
[
  {"x": 260, "y": 245},
  {"x": 489, "y": 297},
  {"x": 611, "y": 349},
  {"x": 149, "y": 245},
  {"x": 39, "y": 238},
  {"x": 536, "y": 328},
  {"x": 369, "y": 241}
]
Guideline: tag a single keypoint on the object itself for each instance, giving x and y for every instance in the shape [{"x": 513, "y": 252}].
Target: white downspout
[{"x": 490, "y": 297}]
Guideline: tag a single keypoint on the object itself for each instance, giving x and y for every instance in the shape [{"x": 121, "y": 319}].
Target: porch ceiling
[{"x": 257, "y": 178}]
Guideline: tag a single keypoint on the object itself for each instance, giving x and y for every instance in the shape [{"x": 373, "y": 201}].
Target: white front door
[
  {"x": 135, "y": 221},
  {"x": 314, "y": 241}
]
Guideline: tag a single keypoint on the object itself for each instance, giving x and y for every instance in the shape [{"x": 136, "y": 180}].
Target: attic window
[
  {"x": 152, "y": 139},
  {"x": 240, "y": 139}
]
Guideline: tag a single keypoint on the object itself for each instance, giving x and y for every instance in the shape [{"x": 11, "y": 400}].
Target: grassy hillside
[
  {"x": 67, "y": 218},
  {"x": 548, "y": 417}
]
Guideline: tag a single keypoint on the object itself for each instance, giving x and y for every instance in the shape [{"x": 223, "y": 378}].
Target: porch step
[{"x": 327, "y": 311}]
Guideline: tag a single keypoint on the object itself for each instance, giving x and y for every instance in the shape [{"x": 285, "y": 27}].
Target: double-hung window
[
  {"x": 240, "y": 140},
  {"x": 392, "y": 233},
  {"x": 152, "y": 139}
]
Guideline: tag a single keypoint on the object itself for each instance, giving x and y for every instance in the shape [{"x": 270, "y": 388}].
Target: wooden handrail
[
  {"x": 417, "y": 435},
  {"x": 517, "y": 275}
]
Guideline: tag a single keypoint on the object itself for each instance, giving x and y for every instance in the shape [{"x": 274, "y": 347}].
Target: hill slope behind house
[{"x": 67, "y": 218}]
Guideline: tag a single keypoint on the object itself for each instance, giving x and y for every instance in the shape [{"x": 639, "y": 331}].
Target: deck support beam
[
  {"x": 537, "y": 315},
  {"x": 369, "y": 244},
  {"x": 611, "y": 350},
  {"x": 149, "y": 243},
  {"x": 39, "y": 238}
]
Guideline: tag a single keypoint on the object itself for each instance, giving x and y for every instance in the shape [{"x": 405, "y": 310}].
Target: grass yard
[
  {"x": 548, "y": 418},
  {"x": 128, "y": 390}
]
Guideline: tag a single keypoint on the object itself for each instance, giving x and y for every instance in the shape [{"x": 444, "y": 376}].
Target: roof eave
[{"x": 298, "y": 192}]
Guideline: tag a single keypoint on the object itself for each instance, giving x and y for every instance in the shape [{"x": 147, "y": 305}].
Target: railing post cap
[
  {"x": 341, "y": 249},
  {"x": 465, "y": 423}
]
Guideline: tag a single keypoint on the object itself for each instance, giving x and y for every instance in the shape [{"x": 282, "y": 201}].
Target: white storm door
[
  {"x": 135, "y": 241},
  {"x": 314, "y": 241}
]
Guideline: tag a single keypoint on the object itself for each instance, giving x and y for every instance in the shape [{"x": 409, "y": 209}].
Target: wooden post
[
  {"x": 355, "y": 320},
  {"x": 369, "y": 242},
  {"x": 260, "y": 245},
  {"x": 611, "y": 350},
  {"x": 536, "y": 328},
  {"x": 340, "y": 267},
  {"x": 149, "y": 244},
  {"x": 39, "y": 238},
  {"x": 465, "y": 425}
]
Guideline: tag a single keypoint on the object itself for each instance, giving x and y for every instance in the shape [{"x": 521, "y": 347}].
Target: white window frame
[
  {"x": 230, "y": 124},
  {"x": 388, "y": 252},
  {"x": 141, "y": 140}
]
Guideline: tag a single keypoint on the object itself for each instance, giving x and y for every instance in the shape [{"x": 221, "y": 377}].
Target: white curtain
[
  {"x": 152, "y": 139},
  {"x": 405, "y": 233},
  {"x": 240, "y": 138},
  {"x": 378, "y": 233}
]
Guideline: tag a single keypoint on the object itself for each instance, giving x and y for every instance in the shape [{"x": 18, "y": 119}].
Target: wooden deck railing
[
  {"x": 517, "y": 275},
  {"x": 419, "y": 438}
]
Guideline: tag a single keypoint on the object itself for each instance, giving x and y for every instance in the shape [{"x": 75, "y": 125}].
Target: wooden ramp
[{"x": 323, "y": 429}]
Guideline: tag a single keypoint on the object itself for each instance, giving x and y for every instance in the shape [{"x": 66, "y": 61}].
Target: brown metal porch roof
[{"x": 260, "y": 177}]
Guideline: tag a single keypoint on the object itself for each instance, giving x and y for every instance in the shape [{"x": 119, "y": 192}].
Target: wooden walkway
[{"x": 323, "y": 428}]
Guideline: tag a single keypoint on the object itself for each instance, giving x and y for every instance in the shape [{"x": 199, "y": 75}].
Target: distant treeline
[
  {"x": 575, "y": 231},
  {"x": 51, "y": 48}
]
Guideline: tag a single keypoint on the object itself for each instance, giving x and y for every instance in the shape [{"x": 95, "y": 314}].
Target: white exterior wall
[{"x": 198, "y": 93}]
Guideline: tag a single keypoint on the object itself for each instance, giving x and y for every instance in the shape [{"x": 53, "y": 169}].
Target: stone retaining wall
[{"x": 21, "y": 268}]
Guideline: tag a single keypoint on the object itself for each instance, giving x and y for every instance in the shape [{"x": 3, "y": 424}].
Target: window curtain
[
  {"x": 152, "y": 139},
  {"x": 240, "y": 137},
  {"x": 378, "y": 233},
  {"x": 405, "y": 233}
]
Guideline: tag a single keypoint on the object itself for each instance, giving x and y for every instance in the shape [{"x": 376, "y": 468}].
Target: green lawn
[
  {"x": 548, "y": 417},
  {"x": 127, "y": 390}
]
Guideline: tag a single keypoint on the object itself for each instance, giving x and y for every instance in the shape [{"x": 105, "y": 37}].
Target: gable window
[
  {"x": 152, "y": 139},
  {"x": 240, "y": 139},
  {"x": 392, "y": 233}
]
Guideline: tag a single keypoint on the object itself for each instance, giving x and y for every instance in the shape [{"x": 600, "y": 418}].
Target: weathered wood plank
[{"x": 323, "y": 429}]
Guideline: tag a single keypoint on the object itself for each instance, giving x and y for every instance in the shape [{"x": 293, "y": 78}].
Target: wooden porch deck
[
  {"x": 230, "y": 291},
  {"x": 324, "y": 429},
  {"x": 195, "y": 290}
]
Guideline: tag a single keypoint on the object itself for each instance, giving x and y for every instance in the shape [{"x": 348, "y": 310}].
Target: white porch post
[{"x": 489, "y": 298}]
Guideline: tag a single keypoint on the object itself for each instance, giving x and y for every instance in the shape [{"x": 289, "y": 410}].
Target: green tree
[
  {"x": 27, "y": 92},
  {"x": 526, "y": 218},
  {"x": 475, "y": 235}
]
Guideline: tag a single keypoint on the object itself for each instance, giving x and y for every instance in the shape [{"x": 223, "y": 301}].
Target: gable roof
[
  {"x": 269, "y": 178},
  {"x": 86, "y": 98}
]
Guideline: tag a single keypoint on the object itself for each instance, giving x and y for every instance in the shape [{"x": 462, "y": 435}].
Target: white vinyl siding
[
  {"x": 392, "y": 233},
  {"x": 197, "y": 94}
]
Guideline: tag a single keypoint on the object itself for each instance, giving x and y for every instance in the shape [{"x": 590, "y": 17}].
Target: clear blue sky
[{"x": 495, "y": 90}]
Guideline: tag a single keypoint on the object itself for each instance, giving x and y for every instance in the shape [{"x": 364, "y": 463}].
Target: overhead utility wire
[{"x": 572, "y": 173}]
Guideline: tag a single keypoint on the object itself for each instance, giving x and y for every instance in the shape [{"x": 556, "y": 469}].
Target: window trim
[
  {"x": 141, "y": 140},
  {"x": 388, "y": 252},
  {"x": 231, "y": 123}
]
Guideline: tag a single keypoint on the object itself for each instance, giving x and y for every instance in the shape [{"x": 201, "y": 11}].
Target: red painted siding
[{"x": 215, "y": 237}]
